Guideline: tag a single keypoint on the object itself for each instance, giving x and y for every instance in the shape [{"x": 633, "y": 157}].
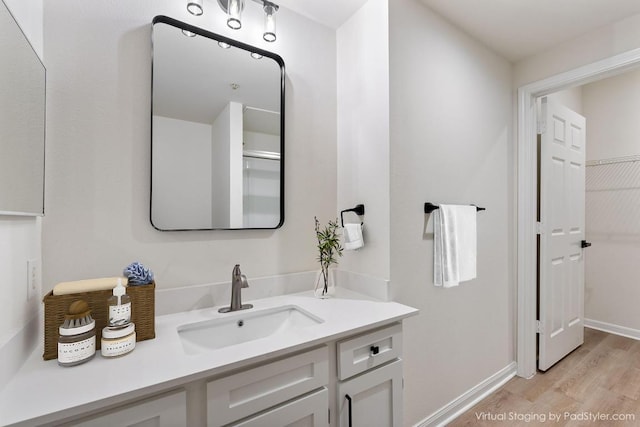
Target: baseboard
[
  {"x": 456, "y": 407},
  {"x": 612, "y": 329}
]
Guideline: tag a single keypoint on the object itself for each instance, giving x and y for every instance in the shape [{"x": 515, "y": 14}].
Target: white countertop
[{"x": 41, "y": 391}]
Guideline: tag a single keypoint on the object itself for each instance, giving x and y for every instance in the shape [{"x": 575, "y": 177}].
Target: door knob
[{"x": 585, "y": 244}]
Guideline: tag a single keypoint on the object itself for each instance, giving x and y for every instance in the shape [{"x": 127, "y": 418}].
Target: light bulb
[
  {"x": 269, "y": 23},
  {"x": 235, "y": 14},
  {"x": 195, "y": 7}
]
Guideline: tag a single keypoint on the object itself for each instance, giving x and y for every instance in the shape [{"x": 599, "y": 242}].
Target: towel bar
[
  {"x": 430, "y": 207},
  {"x": 358, "y": 210}
]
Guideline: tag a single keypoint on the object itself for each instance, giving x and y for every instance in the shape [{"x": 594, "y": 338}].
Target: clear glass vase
[{"x": 325, "y": 290}]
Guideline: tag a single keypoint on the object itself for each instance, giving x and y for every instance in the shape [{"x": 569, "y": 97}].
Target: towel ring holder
[{"x": 358, "y": 210}]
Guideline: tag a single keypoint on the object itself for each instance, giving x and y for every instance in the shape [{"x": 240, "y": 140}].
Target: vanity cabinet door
[
  {"x": 308, "y": 411},
  {"x": 376, "y": 398},
  {"x": 169, "y": 410}
]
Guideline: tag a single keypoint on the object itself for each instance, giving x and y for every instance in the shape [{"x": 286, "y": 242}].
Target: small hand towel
[
  {"x": 353, "y": 237},
  {"x": 455, "y": 245}
]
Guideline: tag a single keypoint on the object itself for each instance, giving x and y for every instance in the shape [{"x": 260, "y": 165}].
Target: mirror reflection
[
  {"x": 22, "y": 121},
  {"x": 217, "y": 132}
]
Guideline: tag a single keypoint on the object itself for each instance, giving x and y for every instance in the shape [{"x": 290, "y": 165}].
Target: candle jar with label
[
  {"x": 77, "y": 341},
  {"x": 118, "y": 341}
]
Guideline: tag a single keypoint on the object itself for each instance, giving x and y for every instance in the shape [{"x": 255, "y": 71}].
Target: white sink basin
[{"x": 243, "y": 326}]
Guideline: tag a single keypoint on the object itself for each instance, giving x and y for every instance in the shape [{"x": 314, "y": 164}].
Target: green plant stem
[{"x": 328, "y": 249}]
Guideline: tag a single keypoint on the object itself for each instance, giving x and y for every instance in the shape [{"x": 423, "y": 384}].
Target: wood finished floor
[{"x": 600, "y": 377}]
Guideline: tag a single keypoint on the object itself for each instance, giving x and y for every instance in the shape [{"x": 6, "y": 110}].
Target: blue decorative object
[{"x": 138, "y": 274}]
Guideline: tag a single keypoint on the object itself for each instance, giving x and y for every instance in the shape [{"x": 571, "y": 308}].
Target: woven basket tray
[{"x": 56, "y": 306}]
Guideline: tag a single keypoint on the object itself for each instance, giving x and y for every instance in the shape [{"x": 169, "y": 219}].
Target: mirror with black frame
[
  {"x": 22, "y": 121},
  {"x": 217, "y": 146}
]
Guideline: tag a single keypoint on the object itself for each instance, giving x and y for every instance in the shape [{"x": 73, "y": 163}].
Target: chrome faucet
[{"x": 238, "y": 281}]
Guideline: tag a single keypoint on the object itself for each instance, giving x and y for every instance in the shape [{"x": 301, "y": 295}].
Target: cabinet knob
[{"x": 374, "y": 350}]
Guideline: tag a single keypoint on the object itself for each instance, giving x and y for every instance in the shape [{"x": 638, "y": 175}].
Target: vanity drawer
[
  {"x": 245, "y": 393},
  {"x": 168, "y": 410},
  {"x": 356, "y": 355},
  {"x": 310, "y": 410}
]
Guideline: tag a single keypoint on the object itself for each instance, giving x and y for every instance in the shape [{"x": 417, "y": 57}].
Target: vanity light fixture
[
  {"x": 224, "y": 45},
  {"x": 233, "y": 8},
  {"x": 255, "y": 55},
  {"x": 188, "y": 33}
]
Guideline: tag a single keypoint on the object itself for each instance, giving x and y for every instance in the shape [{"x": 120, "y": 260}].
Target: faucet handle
[
  {"x": 237, "y": 274},
  {"x": 238, "y": 281}
]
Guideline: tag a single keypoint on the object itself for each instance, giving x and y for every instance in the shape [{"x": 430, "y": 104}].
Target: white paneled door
[{"x": 562, "y": 211}]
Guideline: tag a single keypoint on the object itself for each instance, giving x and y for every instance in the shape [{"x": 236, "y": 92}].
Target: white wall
[
  {"x": 181, "y": 174},
  {"x": 613, "y": 201},
  {"x": 611, "y": 106},
  {"x": 20, "y": 240},
  {"x": 235, "y": 165},
  {"x": 98, "y": 147},
  {"x": 28, "y": 13},
  {"x": 451, "y": 141},
  {"x": 570, "y": 98},
  {"x": 221, "y": 167},
  {"x": 593, "y": 46},
  {"x": 261, "y": 141},
  {"x": 363, "y": 133}
]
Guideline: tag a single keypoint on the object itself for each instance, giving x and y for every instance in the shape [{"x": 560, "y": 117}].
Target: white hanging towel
[
  {"x": 353, "y": 237},
  {"x": 455, "y": 245}
]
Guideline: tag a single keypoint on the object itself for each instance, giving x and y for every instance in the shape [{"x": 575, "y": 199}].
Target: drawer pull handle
[
  {"x": 346, "y": 396},
  {"x": 374, "y": 350}
]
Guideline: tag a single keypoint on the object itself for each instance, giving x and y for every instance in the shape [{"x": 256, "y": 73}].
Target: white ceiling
[
  {"x": 519, "y": 28},
  {"x": 332, "y": 13},
  {"x": 513, "y": 28}
]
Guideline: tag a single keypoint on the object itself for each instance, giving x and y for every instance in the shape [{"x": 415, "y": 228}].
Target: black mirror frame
[{"x": 208, "y": 34}]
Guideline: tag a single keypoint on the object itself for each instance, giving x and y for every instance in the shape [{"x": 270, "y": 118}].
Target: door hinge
[
  {"x": 539, "y": 327},
  {"x": 539, "y": 229},
  {"x": 329, "y": 413},
  {"x": 403, "y": 382}
]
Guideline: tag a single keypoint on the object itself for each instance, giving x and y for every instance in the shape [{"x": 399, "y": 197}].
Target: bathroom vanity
[{"x": 290, "y": 360}]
